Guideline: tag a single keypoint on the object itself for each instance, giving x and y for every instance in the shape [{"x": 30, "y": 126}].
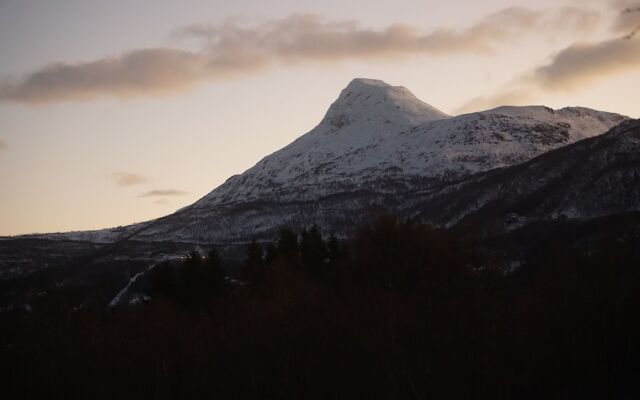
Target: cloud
[
  {"x": 147, "y": 71},
  {"x": 3, "y": 144},
  {"x": 164, "y": 192},
  {"x": 573, "y": 68},
  {"x": 584, "y": 63},
  {"x": 230, "y": 50},
  {"x": 309, "y": 37},
  {"x": 128, "y": 178}
]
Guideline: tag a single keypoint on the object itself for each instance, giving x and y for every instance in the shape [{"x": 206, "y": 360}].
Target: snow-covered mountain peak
[
  {"x": 377, "y": 132},
  {"x": 376, "y": 103}
]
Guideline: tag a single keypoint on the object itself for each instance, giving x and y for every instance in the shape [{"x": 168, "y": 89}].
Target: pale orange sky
[{"x": 119, "y": 135}]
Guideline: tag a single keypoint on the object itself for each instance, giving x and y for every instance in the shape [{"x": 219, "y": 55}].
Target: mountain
[
  {"x": 593, "y": 178},
  {"x": 376, "y": 131},
  {"x": 376, "y": 141},
  {"x": 517, "y": 172}
]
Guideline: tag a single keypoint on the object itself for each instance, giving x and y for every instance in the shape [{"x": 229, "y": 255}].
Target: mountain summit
[
  {"x": 358, "y": 139},
  {"x": 371, "y": 104},
  {"x": 377, "y": 132},
  {"x": 376, "y": 143}
]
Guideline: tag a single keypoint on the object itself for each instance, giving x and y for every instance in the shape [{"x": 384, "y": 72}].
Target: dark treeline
[{"x": 401, "y": 311}]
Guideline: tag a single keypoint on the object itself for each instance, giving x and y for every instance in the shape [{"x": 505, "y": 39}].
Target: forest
[{"x": 402, "y": 310}]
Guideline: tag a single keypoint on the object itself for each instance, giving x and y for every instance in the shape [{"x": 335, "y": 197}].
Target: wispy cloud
[
  {"x": 138, "y": 72},
  {"x": 230, "y": 50},
  {"x": 309, "y": 37},
  {"x": 574, "y": 67},
  {"x": 164, "y": 192},
  {"x": 584, "y": 63},
  {"x": 3, "y": 144},
  {"x": 128, "y": 179}
]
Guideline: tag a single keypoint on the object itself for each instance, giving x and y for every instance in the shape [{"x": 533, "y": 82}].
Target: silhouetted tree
[
  {"x": 163, "y": 282},
  {"x": 200, "y": 279},
  {"x": 213, "y": 273},
  {"x": 254, "y": 264},
  {"x": 335, "y": 249},
  {"x": 288, "y": 244},
  {"x": 270, "y": 253},
  {"x": 409, "y": 315},
  {"x": 313, "y": 250}
]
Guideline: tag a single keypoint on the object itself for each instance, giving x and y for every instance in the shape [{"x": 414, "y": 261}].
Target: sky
[{"x": 115, "y": 112}]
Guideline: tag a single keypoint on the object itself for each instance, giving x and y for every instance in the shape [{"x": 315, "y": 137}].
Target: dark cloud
[
  {"x": 585, "y": 63},
  {"x": 138, "y": 72},
  {"x": 164, "y": 192},
  {"x": 230, "y": 49},
  {"x": 128, "y": 178}
]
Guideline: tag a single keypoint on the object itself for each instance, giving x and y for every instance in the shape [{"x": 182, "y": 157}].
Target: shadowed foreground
[{"x": 401, "y": 311}]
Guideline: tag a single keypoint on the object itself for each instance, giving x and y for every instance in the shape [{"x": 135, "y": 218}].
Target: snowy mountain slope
[
  {"x": 107, "y": 235},
  {"x": 356, "y": 137},
  {"x": 375, "y": 139},
  {"x": 596, "y": 177},
  {"x": 375, "y": 130}
]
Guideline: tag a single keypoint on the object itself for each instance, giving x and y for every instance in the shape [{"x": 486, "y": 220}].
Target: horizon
[{"x": 88, "y": 143}]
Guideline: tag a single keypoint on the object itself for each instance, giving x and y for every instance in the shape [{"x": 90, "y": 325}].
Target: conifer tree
[
  {"x": 313, "y": 250},
  {"x": 254, "y": 264},
  {"x": 288, "y": 244}
]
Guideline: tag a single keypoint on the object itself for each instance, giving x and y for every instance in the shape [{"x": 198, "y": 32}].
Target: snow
[
  {"x": 374, "y": 130},
  {"x": 107, "y": 235},
  {"x": 122, "y": 294}
]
